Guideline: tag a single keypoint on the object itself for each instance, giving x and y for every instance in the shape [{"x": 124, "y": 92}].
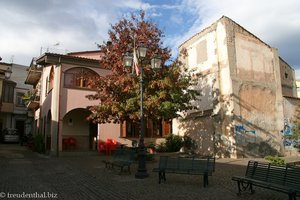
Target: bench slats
[
  {"x": 182, "y": 165},
  {"x": 120, "y": 158},
  {"x": 284, "y": 179},
  {"x": 293, "y": 178}
]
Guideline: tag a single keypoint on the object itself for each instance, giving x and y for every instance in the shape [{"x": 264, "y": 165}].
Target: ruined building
[{"x": 244, "y": 84}]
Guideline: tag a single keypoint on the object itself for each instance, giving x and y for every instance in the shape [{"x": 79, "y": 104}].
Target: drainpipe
[{"x": 58, "y": 121}]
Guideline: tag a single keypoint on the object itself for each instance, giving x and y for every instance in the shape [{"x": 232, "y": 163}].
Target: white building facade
[{"x": 242, "y": 83}]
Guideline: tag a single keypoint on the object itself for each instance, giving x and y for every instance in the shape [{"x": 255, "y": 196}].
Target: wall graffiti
[
  {"x": 289, "y": 140},
  {"x": 244, "y": 136},
  {"x": 288, "y": 129}
]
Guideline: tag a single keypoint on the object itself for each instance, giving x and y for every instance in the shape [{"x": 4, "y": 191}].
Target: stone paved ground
[{"x": 83, "y": 176}]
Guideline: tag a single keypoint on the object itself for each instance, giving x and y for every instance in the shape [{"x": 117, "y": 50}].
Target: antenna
[
  {"x": 12, "y": 58},
  {"x": 54, "y": 48}
]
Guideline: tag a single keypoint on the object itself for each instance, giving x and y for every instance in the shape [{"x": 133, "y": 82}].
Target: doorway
[
  {"x": 93, "y": 134},
  {"x": 20, "y": 126}
]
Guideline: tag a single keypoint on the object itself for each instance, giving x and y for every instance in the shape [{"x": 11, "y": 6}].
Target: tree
[
  {"x": 296, "y": 123},
  {"x": 166, "y": 91}
]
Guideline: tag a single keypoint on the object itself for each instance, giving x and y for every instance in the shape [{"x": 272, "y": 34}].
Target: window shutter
[
  {"x": 167, "y": 127},
  {"x": 123, "y": 129}
]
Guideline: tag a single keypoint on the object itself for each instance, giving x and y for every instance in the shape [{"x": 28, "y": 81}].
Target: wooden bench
[
  {"x": 182, "y": 165},
  {"x": 121, "y": 158},
  {"x": 285, "y": 179}
]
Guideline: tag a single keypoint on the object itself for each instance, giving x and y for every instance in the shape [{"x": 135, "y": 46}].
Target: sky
[{"x": 30, "y": 27}]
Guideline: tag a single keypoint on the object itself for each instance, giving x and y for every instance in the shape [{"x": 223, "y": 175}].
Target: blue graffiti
[
  {"x": 288, "y": 129},
  {"x": 290, "y": 142},
  {"x": 241, "y": 129}
]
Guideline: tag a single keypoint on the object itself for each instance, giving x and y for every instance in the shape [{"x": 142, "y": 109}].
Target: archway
[
  {"x": 77, "y": 128},
  {"x": 48, "y": 132}
]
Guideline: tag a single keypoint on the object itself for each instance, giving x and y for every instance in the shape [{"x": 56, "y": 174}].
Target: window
[
  {"x": 47, "y": 86},
  {"x": 19, "y": 99},
  {"x": 50, "y": 81},
  {"x": 153, "y": 128},
  {"x": 79, "y": 77},
  {"x": 286, "y": 75},
  {"x": 201, "y": 49},
  {"x": 132, "y": 129},
  {"x": 8, "y": 92}
]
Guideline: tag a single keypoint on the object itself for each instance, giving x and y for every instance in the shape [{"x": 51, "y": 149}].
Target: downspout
[{"x": 58, "y": 121}]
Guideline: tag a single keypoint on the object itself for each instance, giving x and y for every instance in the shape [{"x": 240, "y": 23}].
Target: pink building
[{"x": 60, "y": 104}]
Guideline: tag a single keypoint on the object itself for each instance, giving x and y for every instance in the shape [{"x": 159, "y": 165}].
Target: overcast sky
[{"x": 27, "y": 26}]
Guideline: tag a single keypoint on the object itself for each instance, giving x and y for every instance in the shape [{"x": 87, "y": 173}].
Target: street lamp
[
  {"x": 8, "y": 73},
  {"x": 155, "y": 64}
]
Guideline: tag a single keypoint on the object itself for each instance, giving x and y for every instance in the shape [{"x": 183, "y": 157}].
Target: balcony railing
[{"x": 32, "y": 99}]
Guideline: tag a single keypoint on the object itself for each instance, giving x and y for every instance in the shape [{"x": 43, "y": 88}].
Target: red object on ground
[
  {"x": 111, "y": 145},
  {"x": 108, "y": 146},
  {"x": 102, "y": 146},
  {"x": 69, "y": 142}
]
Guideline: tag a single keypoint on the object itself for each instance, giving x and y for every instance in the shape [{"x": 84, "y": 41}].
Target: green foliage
[
  {"x": 29, "y": 96},
  {"x": 275, "y": 160},
  {"x": 161, "y": 147},
  {"x": 296, "y": 128},
  {"x": 188, "y": 142},
  {"x": 39, "y": 144},
  {"x": 151, "y": 145},
  {"x": 173, "y": 143}
]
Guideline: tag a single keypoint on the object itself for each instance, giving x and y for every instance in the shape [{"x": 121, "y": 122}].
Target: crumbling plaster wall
[
  {"x": 242, "y": 86},
  {"x": 200, "y": 129},
  {"x": 288, "y": 82},
  {"x": 257, "y": 94},
  {"x": 207, "y": 55},
  {"x": 201, "y": 59}
]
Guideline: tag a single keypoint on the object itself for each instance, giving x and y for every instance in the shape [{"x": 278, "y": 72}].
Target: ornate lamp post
[
  {"x": 8, "y": 73},
  {"x": 155, "y": 64}
]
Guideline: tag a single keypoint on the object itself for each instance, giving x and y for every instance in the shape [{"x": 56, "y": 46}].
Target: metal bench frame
[
  {"x": 121, "y": 158},
  {"x": 182, "y": 165},
  {"x": 285, "y": 179}
]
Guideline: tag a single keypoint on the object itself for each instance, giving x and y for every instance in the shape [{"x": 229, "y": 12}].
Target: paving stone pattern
[{"x": 84, "y": 176}]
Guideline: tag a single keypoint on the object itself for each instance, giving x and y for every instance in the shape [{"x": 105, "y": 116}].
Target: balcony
[{"x": 32, "y": 99}]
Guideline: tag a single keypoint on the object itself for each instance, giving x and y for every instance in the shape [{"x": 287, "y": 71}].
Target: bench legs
[
  {"x": 128, "y": 169},
  {"x": 244, "y": 186},
  {"x": 205, "y": 180},
  {"x": 111, "y": 165},
  {"x": 161, "y": 175},
  {"x": 292, "y": 196}
]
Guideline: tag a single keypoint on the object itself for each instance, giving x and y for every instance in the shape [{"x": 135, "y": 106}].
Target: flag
[{"x": 135, "y": 63}]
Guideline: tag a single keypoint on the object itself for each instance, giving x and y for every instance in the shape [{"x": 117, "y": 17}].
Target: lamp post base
[{"x": 142, "y": 171}]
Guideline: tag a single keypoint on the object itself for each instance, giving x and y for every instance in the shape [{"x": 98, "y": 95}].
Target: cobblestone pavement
[{"x": 84, "y": 176}]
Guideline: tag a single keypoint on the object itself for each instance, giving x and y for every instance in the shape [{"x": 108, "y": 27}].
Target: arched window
[
  {"x": 47, "y": 86},
  {"x": 50, "y": 81},
  {"x": 78, "y": 77}
]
